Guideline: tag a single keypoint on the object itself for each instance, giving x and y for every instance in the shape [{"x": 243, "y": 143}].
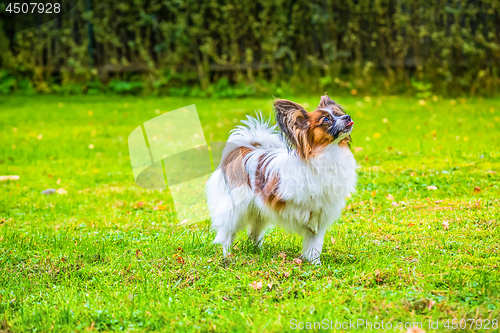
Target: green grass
[{"x": 90, "y": 260}]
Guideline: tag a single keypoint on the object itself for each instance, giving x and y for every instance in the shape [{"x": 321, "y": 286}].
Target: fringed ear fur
[
  {"x": 329, "y": 104},
  {"x": 293, "y": 121}
]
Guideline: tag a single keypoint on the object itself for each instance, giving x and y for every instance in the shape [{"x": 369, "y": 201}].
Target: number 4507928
[
  {"x": 472, "y": 324},
  {"x": 34, "y": 7}
]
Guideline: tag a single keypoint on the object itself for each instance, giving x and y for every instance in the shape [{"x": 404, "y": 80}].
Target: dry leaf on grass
[
  {"x": 432, "y": 188},
  {"x": 477, "y": 189},
  {"x": 297, "y": 261},
  {"x": 257, "y": 285},
  {"x": 138, "y": 205},
  {"x": 270, "y": 285},
  {"x": 60, "y": 190},
  {"x": 389, "y": 197},
  {"x": 431, "y": 304},
  {"x": 446, "y": 225}
]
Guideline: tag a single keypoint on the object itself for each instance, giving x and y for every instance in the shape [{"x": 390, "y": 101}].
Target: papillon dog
[{"x": 295, "y": 175}]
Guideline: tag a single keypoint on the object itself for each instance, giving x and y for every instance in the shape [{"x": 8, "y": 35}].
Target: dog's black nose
[{"x": 346, "y": 118}]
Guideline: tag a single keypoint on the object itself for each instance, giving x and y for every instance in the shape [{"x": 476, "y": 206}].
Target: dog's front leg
[
  {"x": 313, "y": 245},
  {"x": 313, "y": 223}
]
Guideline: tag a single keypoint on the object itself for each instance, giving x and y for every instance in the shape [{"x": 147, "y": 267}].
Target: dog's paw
[{"x": 313, "y": 229}]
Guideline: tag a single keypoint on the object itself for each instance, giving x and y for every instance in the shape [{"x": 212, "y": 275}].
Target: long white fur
[{"x": 314, "y": 190}]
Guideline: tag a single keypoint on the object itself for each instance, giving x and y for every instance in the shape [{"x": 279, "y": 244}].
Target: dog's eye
[{"x": 326, "y": 120}]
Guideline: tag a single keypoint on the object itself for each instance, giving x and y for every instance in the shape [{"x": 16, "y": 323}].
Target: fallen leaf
[
  {"x": 162, "y": 207},
  {"x": 256, "y": 285},
  {"x": 58, "y": 181},
  {"x": 225, "y": 298},
  {"x": 60, "y": 190},
  {"x": 477, "y": 189},
  {"x": 297, "y": 261},
  {"x": 287, "y": 274},
  {"x": 358, "y": 149},
  {"x": 138, "y": 253},
  {"x": 389, "y": 197},
  {"x": 446, "y": 225},
  {"x": 431, "y": 304},
  {"x": 138, "y": 205},
  {"x": 432, "y": 188},
  {"x": 179, "y": 259},
  {"x": 374, "y": 193},
  {"x": 270, "y": 285}
]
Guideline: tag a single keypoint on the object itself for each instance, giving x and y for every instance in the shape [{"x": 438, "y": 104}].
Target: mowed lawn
[{"x": 418, "y": 242}]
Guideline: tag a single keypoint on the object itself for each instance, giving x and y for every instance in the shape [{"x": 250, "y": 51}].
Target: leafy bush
[{"x": 228, "y": 48}]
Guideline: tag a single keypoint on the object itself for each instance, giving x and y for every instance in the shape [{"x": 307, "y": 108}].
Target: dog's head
[{"x": 311, "y": 132}]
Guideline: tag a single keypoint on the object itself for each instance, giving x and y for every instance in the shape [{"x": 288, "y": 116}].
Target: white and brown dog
[{"x": 297, "y": 178}]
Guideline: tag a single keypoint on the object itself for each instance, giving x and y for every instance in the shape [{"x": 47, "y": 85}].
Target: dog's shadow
[{"x": 275, "y": 246}]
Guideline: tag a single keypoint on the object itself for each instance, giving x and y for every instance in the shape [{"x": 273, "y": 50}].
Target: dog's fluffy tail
[{"x": 256, "y": 133}]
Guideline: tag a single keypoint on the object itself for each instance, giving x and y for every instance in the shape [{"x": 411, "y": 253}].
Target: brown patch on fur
[
  {"x": 345, "y": 142},
  {"x": 267, "y": 187},
  {"x": 234, "y": 168},
  {"x": 317, "y": 135}
]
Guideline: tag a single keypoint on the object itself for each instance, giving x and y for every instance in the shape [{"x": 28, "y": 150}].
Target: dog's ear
[
  {"x": 327, "y": 103},
  {"x": 293, "y": 121}
]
